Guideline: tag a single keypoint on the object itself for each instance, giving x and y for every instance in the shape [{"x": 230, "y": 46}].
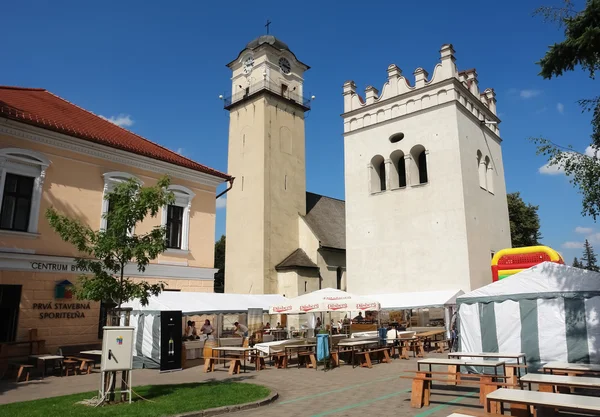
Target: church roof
[
  {"x": 326, "y": 217},
  {"x": 271, "y": 40},
  {"x": 41, "y": 108},
  {"x": 297, "y": 259}
]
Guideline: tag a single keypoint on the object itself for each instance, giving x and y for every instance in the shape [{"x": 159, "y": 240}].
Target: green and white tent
[{"x": 550, "y": 312}]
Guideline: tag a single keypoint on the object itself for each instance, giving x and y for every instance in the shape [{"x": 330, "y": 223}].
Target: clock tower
[{"x": 267, "y": 159}]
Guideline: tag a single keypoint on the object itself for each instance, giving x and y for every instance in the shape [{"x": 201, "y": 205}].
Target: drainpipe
[{"x": 228, "y": 188}]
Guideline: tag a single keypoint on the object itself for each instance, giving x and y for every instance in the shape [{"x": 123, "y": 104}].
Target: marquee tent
[
  {"x": 146, "y": 319},
  {"x": 550, "y": 312},
  {"x": 327, "y": 299},
  {"x": 423, "y": 299}
]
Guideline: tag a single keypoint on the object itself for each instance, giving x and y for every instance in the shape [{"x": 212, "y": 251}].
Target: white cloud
[
  {"x": 591, "y": 151},
  {"x": 179, "y": 151},
  {"x": 584, "y": 230},
  {"x": 542, "y": 110},
  {"x": 573, "y": 245},
  {"x": 527, "y": 94},
  {"x": 123, "y": 120},
  {"x": 548, "y": 169},
  {"x": 560, "y": 107},
  {"x": 221, "y": 202}
]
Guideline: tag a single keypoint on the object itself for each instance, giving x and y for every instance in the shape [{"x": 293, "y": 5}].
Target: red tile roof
[{"x": 41, "y": 108}]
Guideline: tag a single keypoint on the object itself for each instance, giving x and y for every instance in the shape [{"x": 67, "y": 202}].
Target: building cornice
[
  {"x": 420, "y": 91},
  {"x": 10, "y": 261},
  {"x": 62, "y": 141}
]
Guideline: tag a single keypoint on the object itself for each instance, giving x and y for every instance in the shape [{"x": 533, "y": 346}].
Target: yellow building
[{"x": 56, "y": 154}]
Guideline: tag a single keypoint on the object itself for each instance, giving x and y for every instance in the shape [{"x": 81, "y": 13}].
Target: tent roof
[
  {"x": 545, "y": 280},
  {"x": 326, "y": 299},
  {"x": 206, "y": 303},
  {"x": 406, "y": 300}
]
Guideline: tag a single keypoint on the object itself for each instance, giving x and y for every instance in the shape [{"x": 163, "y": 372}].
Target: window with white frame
[
  {"x": 22, "y": 173},
  {"x": 176, "y": 218},
  {"x": 111, "y": 180}
]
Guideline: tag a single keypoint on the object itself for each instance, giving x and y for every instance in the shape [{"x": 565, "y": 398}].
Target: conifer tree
[
  {"x": 577, "y": 263},
  {"x": 589, "y": 258}
]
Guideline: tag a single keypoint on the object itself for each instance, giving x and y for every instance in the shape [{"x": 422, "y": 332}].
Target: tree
[
  {"x": 105, "y": 253},
  {"x": 220, "y": 264},
  {"x": 577, "y": 263},
  {"x": 524, "y": 222},
  {"x": 579, "y": 48},
  {"x": 589, "y": 257}
]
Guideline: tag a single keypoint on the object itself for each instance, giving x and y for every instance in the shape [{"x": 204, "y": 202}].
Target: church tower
[
  {"x": 267, "y": 159},
  {"x": 426, "y": 200}
]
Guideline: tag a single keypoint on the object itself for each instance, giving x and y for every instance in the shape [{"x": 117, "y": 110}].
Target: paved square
[{"x": 343, "y": 391}]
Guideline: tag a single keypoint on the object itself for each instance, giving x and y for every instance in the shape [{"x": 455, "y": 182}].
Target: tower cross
[{"x": 267, "y": 25}]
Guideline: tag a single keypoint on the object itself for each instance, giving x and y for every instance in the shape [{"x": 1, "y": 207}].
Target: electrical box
[{"x": 117, "y": 349}]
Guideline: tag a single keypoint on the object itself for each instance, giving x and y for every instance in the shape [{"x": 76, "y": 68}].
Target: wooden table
[
  {"x": 354, "y": 345},
  {"x": 455, "y": 364},
  {"x": 547, "y": 382},
  {"x": 298, "y": 347},
  {"x": 521, "y": 400},
  {"x": 495, "y": 355},
  {"x": 241, "y": 351},
  {"x": 43, "y": 359},
  {"x": 571, "y": 368}
]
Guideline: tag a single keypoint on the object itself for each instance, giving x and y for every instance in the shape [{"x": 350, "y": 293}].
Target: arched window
[
  {"x": 22, "y": 173},
  {"x": 377, "y": 169},
  {"x": 340, "y": 274},
  {"x": 481, "y": 169},
  {"x": 489, "y": 178},
  {"x": 398, "y": 174},
  {"x": 419, "y": 173}
]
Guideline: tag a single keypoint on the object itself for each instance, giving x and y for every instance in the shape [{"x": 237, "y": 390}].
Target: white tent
[
  {"x": 327, "y": 299},
  {"x": 146, "y": 319},
  {"x": 423, "y": 299},
  {"x": 550, "y": 312}
]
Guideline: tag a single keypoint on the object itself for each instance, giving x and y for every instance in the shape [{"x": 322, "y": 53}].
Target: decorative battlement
[{"x": 401, "y": 97}]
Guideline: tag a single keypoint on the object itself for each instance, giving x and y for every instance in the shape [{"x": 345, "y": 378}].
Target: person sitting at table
[
  {"x": 359, "y": 318},
  {"x": 190, "y": 331},
  {"x": 240, "y": 330},
  {"x": 206, "y": 329},
  {"x": 279, "y": 326},
  {"x": 268, "y": 326},
  {"x": 319, "y": 324}
]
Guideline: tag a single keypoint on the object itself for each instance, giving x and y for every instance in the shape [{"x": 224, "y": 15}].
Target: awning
[
  {"x": 422, "y": 299},
  {"x": 327, "y": 299},
  {"x": 206, "y": 303}
]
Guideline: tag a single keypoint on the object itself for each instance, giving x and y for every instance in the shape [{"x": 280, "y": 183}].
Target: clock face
[
  {"x": 248, "y": 64},
  {"x": 284, "y": 65}
]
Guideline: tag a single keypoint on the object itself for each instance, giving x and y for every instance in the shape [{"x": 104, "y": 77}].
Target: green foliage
[
  {"x": 579, "y": 48},
  {"x": 589, "y": 259},
  {"x": 577, "y": 263},
  {"x": 220, "y": 265},
  {"x": 105, "y": 253},
  {"x": 524, "y": 222}
]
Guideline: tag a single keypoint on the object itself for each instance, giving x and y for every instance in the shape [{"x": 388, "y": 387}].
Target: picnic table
[
  {"x": 520, "y": 358},
  {"x": 298, "y": 347},
  {"x": 241, "y": 351},
  {"x": 571, "y": 368},
  {"x": 521, "y": 400},
  {"x": 354, "y": 345},
  {"x": 547, "y": 382},
  {"x": 44, "y": 359}
]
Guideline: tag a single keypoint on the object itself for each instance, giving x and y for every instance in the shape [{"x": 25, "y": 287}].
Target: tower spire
[{"x": 267, "y": 25}]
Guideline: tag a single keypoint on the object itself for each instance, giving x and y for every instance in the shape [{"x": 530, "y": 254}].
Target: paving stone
[{"x": 343, "y": 391}]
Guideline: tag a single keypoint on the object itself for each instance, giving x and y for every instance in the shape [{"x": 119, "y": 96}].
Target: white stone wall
[{"x": 433, "y": 236}]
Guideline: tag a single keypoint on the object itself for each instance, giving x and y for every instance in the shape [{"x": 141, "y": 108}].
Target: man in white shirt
[{"x": 240, "y": 329}]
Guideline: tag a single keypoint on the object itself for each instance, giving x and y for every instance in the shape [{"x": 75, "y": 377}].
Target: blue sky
[{"x": 158, "y": 68}]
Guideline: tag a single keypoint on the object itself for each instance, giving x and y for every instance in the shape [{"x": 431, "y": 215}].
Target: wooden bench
[
  {"x": 441, "y": 345},
  {"x": 422, "y": 381},
  {"x": 545, "y": 403},
  {"x": 308, "y": 357},
  {"x": 22, "y": 367},
  {"x": 280, "y": 359},
  {"x": 69, "y": 365},
  {"x": 234, "y": 367},
  {"x": 86, "y": 364}
]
